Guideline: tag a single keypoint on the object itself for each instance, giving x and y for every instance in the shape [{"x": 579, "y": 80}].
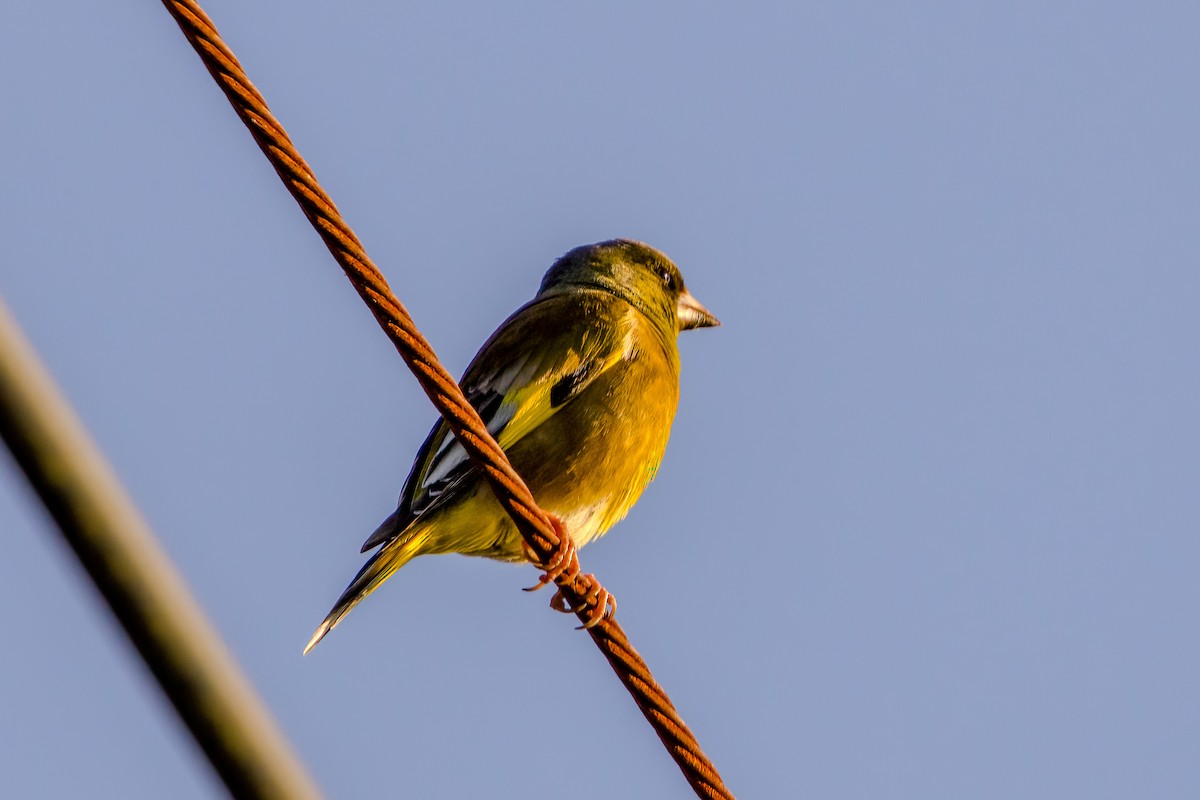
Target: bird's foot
[
  {"x": 598, "y": 603},
  {"x": 563, "y": 561}
]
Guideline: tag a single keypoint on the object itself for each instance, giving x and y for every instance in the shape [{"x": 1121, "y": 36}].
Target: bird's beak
[{"x": 690, "y": 314}]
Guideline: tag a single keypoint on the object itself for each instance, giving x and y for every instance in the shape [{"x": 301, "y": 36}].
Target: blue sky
[{"x": 927, "y": 525}]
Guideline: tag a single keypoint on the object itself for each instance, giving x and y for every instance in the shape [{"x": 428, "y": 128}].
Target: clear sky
[{"x": 928, "y": 523}]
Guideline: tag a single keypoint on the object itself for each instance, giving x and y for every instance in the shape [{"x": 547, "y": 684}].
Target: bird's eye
[{"x": 667, "y": 278}]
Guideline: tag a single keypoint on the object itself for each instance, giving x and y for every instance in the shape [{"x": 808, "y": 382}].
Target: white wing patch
[{"x": 451, "y": 454}]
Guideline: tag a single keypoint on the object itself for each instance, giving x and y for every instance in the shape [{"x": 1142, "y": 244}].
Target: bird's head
[{"x": 637, "y": 273}]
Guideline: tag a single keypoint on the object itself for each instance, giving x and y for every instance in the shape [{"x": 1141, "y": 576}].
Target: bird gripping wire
[{"x": 583, "y": 593}]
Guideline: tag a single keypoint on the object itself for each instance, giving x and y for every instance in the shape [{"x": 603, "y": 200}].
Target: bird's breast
[{"x": 589, "y": 462}]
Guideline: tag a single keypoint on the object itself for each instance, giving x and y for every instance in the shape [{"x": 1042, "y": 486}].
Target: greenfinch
[{"x": 579, "y": 387}]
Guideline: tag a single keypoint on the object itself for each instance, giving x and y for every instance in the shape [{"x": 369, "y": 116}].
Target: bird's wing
[{"x": 534, "y": 364}]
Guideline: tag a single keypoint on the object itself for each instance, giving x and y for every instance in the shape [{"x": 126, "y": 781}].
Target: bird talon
[
  {"x": 564, "y": 559},
  {"x": 542, "y": 581},
  {"x": 559, "y": 603},
  {"x": 598, "y": 604}
]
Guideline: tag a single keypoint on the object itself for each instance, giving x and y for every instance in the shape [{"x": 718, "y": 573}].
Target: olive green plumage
[{"x": 579, "y": 387}]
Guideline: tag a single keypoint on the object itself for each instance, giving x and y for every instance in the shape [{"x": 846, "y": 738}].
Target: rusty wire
[{"x": 579, "y": 590}]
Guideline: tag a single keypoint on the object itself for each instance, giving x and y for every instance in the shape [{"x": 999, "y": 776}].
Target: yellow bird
[{"x": 579, "y": 387}]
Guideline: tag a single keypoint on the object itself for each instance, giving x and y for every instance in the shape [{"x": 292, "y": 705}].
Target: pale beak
[{"x": 690, "y": 314}]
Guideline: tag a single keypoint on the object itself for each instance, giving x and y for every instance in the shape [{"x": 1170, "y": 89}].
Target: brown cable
[{"x": 579, "y": 590}]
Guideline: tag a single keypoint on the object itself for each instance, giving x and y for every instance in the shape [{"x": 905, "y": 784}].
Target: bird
[{"x": 579, "y": 387}]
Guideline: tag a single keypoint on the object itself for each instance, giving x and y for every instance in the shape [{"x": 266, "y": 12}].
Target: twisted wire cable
[{"x": 580, "y": 591}]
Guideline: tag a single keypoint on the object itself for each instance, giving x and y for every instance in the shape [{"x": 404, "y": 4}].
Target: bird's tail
[{"x": 391, "y": 557}]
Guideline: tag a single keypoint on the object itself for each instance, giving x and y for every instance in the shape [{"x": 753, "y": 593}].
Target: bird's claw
[
  {"x": 598, "y": 603},
  {"x": 564, "y": 560}
]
